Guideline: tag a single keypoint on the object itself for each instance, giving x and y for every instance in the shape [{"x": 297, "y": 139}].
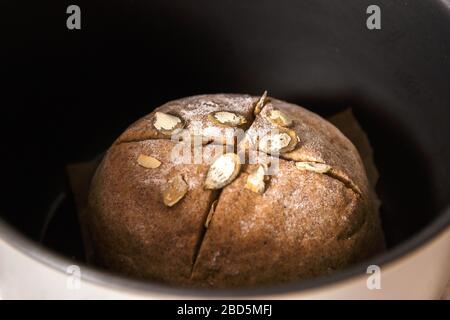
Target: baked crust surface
[{"x": 304, "y": 224}]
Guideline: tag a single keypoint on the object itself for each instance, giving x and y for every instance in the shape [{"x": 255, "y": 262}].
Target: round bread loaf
[{"x": 231, "y": 190}]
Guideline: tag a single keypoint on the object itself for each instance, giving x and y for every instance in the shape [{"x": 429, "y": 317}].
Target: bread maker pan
[{"x": 66, "y": 95}]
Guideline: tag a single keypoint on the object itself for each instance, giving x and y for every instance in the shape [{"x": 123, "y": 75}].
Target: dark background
[{"x": 66, "y": 94}]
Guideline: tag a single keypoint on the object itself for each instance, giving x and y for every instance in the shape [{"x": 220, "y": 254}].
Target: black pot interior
[{"x": 68, "y": 94}]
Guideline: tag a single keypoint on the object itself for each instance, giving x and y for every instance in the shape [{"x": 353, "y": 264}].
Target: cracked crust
[
  {"x": 305, "y": 223},
  {"x": 298, "y": 228},
  {"x": 319, "y": 141},
  {"x": 132, "y": 230}
]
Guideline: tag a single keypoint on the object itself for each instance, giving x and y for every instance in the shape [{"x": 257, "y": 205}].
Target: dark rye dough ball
[{"x": 222, "y": 222}]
